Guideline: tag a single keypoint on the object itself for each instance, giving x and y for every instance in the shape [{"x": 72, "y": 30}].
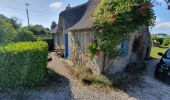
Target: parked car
[{"x": 162, "y": 70}]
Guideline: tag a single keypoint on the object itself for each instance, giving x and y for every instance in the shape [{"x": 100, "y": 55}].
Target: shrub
[
  {"x": 7, "y": 32},
  {"x": 160, "y": 40},
  {"x": 25, "y": 35},
  {"x": 166, "y": 42},
  {"x": 22, "y": 63},
  {"x": 38, "y": 30}
]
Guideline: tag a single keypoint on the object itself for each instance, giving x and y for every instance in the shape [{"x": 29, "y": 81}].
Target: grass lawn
[{"x": 155, "y": 50}]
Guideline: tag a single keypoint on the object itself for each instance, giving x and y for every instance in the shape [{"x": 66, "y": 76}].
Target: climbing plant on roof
[{"x": 115, "y": 19}]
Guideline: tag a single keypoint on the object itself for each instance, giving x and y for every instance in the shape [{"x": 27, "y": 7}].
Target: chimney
[{"x": 68, "y": 7}]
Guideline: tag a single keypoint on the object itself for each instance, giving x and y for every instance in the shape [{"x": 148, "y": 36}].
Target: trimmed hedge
[{"x": 23, "y": 63}]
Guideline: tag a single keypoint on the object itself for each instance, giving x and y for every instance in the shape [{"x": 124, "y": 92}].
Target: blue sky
[
  {"x": 162, "y": 24},
  {"x": 41, "y": 11},
  {"x": 45, "y": 11}
]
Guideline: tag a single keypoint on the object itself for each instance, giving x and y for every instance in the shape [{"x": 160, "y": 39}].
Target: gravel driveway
[{"x": 151, "y": 88}]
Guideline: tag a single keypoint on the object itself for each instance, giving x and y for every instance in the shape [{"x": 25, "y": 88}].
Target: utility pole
[{"x": 27, "y": 13}]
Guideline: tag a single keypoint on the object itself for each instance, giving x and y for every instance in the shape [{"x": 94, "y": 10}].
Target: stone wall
[
  {"x": 59, "y": 40},
  {"x": 79, "y": 53},
  {"x": 137, "y": 45}
]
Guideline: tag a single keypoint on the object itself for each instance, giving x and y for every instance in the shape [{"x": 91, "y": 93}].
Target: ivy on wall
[{"x": 115, "y": 19}]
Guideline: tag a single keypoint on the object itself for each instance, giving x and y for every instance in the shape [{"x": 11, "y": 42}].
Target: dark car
[{"x": 162, "y": 70}]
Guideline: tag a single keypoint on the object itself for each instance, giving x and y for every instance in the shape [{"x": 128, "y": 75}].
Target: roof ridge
[{"x": 75, "y": 7}]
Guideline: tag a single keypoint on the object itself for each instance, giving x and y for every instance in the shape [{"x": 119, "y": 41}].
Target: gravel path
[
  {"x": 79, "y": 91},
  {"x": 151, "y": 88}
]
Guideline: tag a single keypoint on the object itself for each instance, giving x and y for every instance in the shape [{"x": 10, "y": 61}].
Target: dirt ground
[{"x": 67, "y": 88}]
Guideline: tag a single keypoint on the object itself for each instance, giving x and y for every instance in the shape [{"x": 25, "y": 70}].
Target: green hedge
[{"x": 22, "y": 63}]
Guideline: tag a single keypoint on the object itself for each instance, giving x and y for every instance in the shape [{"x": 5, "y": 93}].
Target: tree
[
  {"x": 15, "y": 22},
  {"x": 25, "y": 35},
  {"x": 154, "y": 38},
  {"x": 38, "y": 30},
  {"x": 47, "y": 29},
  {"x": 11, "y": 30},
  {"x": 3, "y": 17},
  {"x": 7, "y": 32},
  {"x": 53, "y": 25}
]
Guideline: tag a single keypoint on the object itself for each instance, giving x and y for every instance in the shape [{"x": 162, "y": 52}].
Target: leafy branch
[{"x": 115, "y": 19}]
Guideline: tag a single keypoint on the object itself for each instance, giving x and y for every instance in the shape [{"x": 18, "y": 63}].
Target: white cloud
[
  {"x": 56, "y": 5},
  {"x": 158, "y": 20},
  {"x": 163, "y": 26}
]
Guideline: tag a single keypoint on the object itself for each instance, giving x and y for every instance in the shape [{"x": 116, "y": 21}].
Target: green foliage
[
  {"x": 38, "y": 30},
  {"x": 160, "y": 40},
  {"x": 154, "y": 38},
  {"x": 114, "y": 19},
  {"x": 166, "y": 42},
  {"x": 22, "y": 63},
  {"x": 7, "y": 32},
  {"x": 15, "y": 23},
  {"x": 11, "y": 30},
  {"x": 93, "y": 48},
  {"x": 44, "y": 37},
  {"x": 25, "y": 35}
]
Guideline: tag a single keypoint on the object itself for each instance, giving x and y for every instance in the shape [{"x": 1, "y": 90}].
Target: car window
[{"x": 167, "y": 54}]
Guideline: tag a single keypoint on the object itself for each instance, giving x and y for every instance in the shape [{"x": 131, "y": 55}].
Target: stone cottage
[{"x": 74, "y": 32}]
